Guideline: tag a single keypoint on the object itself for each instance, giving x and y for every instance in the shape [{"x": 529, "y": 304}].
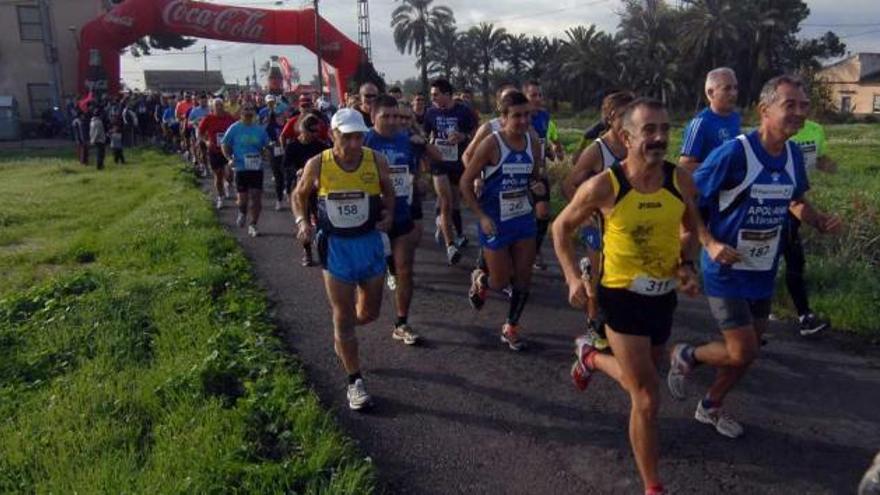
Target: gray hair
[
  {"x": 770, "y": 91},
  {"x": 714, "y": 75},
  {"x": 643, "y": 101}
]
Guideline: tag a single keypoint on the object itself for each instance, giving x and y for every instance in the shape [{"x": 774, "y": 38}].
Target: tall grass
[{"x": 135, "y": 351}]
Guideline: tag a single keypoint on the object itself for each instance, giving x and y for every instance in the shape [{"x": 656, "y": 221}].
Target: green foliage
[{"x": 136, "y": 354}]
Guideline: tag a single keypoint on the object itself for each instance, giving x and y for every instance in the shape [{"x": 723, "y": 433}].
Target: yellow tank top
[
  {"x": 348, "y": 202},
  {"x": 641, "y": 245}
]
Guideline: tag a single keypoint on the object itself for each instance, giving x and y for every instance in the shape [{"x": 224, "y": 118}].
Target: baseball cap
[
  {"x": 270, "y": 98},
  {"x": 347, "y": 121}
]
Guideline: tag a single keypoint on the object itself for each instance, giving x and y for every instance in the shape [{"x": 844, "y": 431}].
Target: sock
[
  {"x": 456, "y": 221},
  {"x": 481, "y": 261},
  {"x": 543, "y": 223},
  {"x": 354, "y": 377},
  {"x": 709, "y": 403},
  {"x": 401, "y": 321},
  {"x": 517, "y": 304},
  {"x": 590, "y": 361}
]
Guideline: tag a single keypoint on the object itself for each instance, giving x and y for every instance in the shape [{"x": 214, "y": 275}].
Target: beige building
[
  {"x": 38, "y": 46},
  {"x": 855, "y": 83}
]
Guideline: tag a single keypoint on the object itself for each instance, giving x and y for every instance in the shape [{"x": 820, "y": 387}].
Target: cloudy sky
[{"x": 856, "y": 21}]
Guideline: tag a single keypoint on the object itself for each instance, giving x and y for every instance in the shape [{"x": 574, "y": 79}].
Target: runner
[
  {"x": 644, "y": 200},
  {"x": 199, "y": 146},
  {"x": 391, "y": 139},
  {"x": 273, "y": 105},
  {"x": 541, "y": 124},
  {"x": 170, "y": 125},
  {"x": 181, "y": 111},
  {"x": 604, "y": 152},
  {"x": 510, "y": 164},
  {"x": 244, "y": 146},
  {"x": 297, "y": 152},
  {"x": 418, "y": 108},
  {"x": 811, "y": 139},
  {"x": 713, "y": 125},
  {"x": 450, "y": 126},
  {"x": 273, "y": 123},
  {"x": 352, "y": 210},
  {"x": 368, "y": 93},
  {"x": 747, "y": 186},
  {"x": 288, "y": 134},
  {"x": 211, "y": 129}
]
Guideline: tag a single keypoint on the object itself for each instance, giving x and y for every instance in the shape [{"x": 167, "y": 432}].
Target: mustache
[{"x": 662, "y": 145}]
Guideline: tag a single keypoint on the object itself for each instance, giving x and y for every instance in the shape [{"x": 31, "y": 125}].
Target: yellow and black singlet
[
  {"x": 641, "y": 235},
  {"x": 348, "y": 202}
]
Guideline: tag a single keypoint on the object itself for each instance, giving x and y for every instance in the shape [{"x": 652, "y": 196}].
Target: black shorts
[
  {"x": 399, "y": 229},
  {"x": 415, "y": 209},
  {"x": 217, "y": 161},
  {"x": 634, "y": 314},
  {"x": 546, "y": 196},
  {"x": 248, "y": 179},
  {"x": 188, "y": 132},
  {"x": 453, "y": 170}
]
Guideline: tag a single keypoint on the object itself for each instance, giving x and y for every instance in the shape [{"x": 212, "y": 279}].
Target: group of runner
[{"x": 645, "y": 225}]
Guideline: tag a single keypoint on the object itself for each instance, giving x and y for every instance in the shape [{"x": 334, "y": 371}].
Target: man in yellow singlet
[{"x": 644, "y": 201}]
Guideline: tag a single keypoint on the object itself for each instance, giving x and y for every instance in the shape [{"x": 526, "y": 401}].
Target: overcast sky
[{"x": 856, "y": 21}]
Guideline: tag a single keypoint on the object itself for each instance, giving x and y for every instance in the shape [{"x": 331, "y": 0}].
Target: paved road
[{"x": 462, "y": 414}]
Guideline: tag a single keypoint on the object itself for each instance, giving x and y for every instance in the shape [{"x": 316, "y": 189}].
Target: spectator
[
  {"x": 98, "y": 137},
  {"x": 116, "y": 144}
]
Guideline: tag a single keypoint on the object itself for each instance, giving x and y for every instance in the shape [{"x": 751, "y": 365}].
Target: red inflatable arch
[{"x": 103, "y": 38}]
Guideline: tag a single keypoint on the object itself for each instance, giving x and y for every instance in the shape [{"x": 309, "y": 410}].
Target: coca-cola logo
[{"x": 230, "y": 22}]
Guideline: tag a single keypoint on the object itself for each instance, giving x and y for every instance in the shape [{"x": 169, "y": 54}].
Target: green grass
[
  {"x": 136, "y": 355},
  {"x": 843, "y": 271}
]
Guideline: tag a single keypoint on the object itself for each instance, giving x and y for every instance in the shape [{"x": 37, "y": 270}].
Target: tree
[
  {"x": 412, "y": 21},
  {"x": 515, "y": 55},
  {"x": 159, "y": 41},
  {"x": 442, "y": 52},
  {"x": 489, "y": 44},
  {"x": 648, "y": 38},
  {"x": 707, "y": 27}
]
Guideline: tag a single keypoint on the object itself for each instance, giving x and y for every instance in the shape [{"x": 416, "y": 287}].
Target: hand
[
  {"x": 305, "y": 231},
  {"x": 538, "y": 188},
  {"x": 687, "y": 280},
  {"x": 455, "y": 137},
  {"x": 385, "y": 223},
  {"x": 230, "y": 163},
  {"x": 577, "y": 294},
  {"x": 828, "y": 223},
  {"x": 417, "y": 140},
  {"x": 488, "y": 226},
  {"x": 478, "y": 187},
  {"x": 722, "y": 253}
]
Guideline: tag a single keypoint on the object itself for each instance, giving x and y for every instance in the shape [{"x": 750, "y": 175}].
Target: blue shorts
[
  {"x": 352, "y": 259},
  {"x": 509, "y": 232},
  {"x": 591, "y": 236}
]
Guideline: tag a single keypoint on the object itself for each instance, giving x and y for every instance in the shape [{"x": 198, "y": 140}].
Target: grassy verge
[
  {"x": 135, "y": 351},
  {"x": 843, "y": 271}
]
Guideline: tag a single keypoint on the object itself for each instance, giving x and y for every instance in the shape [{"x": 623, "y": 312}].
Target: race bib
[
  {"x": 347, "y": 209},
  {"x": 648, "y": 286},
  {"x": 253, "y": 161},
  {"x": 402, "y": 180},
  {"x": 811, "y": 153},
  {"x": 757, "y": 249},
  {"x": 277, "y": 150},
  {"x": 514, "y": 203},
  {"x": 448, "y": 150}
]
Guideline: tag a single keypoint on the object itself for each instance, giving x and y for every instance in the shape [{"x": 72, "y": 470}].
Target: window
[
  {"x": 846, "y": 104},
  {"x": 876, "y": 103},
  {"x": 40, "y": 97},
  {"x": 29, "y": 25}
]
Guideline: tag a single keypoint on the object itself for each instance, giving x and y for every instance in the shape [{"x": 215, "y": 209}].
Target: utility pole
[
  {"x": 364, "y": 28},
  {"x": 205, "y": 54},
  {"x": 318, "y": 49},
  {"x": 256, "y": 84}
]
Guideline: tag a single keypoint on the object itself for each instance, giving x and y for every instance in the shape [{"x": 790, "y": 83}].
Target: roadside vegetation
[{"x": 136, "y": 352}]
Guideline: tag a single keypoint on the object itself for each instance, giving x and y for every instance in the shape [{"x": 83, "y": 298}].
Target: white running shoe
[
  {"x": 453, "y": 255},
  {"x": 461, "y": 241},
  {"x": 405, "y": 333},
  {"x": 218, "y": 203},
  {"x": 679, "y": 367},
  {"x": 358, "y": 398},
  {"x": 870, "y": 484},
  {"x": 391, "y": 281},
  {"x": 716, "y": 417},
  {"x": 278, "y": 206},
  {"x": 240, "y": 219},
  {"x": 252, "y": 231}
]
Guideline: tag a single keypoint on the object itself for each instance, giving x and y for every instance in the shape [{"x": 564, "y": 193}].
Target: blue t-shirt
[
  {"x": 168, "y": 116},
  {"x": 196, "y": 115},
  {"x": 403, "y": 161},
  {"x": 280, "y": 109},
  {"x": 246, "y": 141},
  {"x": 541, "y": 123},
  {"x": 746, "y": 207},
  {"x": 440, "y": 123},
  {"x": 707, "y": 131}
]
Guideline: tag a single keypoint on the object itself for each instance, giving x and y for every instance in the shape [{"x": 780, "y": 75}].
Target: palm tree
[
  {"x": 443, "y": 50},
  {"x": 412, "y": 21},
  {"x": 516, "y": 54},
  {"x": 707, "y": 28},
  {"x": 489, "y": 43},
  {"x": 648, "y": 39}
]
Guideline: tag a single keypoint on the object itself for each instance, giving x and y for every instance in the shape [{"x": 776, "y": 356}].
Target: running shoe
[
  {"x": 405, "y": 333},
  {"x": 307, "y": 260},
  {"x": 870, "y": 484},
  {"x": 438, "y": 234},
  {"x": 227, "y": 191},
  {"x": 461, "y": 241},
  {"x": 580, "y": 374},
  {"x": 510, "y": 336},
  {"x": 508, "y": 291},
  {"x": 716, "y": 417},
  {"x": 240, "y": 219},
  {"x": 218, "y": 203},
  {"x": 279, "y": 206},
  {"x": 358, "y": 398},
  {"x": 539, "y": 262},
  {"x": 477, "y": 293},
  {"x": 810, "y": 324},
  {"x": 595, "y": 338},
  {"x": 453, "y": 255},
  {"x": 252, "y": 231},
  {"x": 391, "y": 281},
  {"x": 679, "y": 367}
]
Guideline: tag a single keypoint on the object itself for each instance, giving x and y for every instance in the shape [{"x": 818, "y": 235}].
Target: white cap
[
  {"x": 270, "y": 98},
  {"x": 348, "y": 120}
]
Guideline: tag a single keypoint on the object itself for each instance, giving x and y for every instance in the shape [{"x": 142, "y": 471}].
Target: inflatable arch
[{"x": 103, "y": 38}]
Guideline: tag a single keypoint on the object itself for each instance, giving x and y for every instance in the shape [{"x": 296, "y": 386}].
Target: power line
[{"x": 531, "y": 14}]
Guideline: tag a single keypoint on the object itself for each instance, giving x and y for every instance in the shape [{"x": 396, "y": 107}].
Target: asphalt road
[{"x": 460, "y": 413}]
